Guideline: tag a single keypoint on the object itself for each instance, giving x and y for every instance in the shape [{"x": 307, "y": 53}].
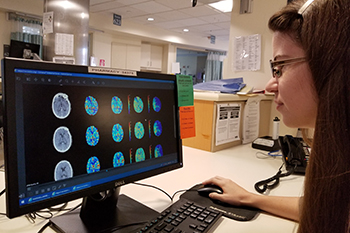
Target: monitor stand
[{"x": 116, "y": 213}]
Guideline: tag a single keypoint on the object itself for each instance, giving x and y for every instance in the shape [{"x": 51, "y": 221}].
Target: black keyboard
[{"x": 182, "y": 216}]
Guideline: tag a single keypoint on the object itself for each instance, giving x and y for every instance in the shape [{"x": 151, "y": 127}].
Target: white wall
[{"x": 249, "y": 24}]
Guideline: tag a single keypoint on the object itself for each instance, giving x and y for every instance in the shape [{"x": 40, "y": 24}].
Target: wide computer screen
[
  {"x": 71, "y": 131},
  {"x": 20, "y": 49}
]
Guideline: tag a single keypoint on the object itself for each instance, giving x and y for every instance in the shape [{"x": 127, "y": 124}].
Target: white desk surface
[{"x": 238, "y": 163}]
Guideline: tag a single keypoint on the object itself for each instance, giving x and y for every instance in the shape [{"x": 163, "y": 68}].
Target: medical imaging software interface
[{"x": 80, "y": 130}]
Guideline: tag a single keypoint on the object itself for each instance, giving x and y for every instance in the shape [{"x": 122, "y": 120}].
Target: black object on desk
[
  {"x": 130, "y": 215},
  {"x": 233, "y": 212},
  {"x": 266, "y": 143}
]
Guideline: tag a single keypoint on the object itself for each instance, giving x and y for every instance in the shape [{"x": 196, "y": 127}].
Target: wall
[{"x": 249, "y": 24}]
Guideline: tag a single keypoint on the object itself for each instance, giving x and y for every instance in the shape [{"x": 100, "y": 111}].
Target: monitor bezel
[{"x": 13, "y": 209}]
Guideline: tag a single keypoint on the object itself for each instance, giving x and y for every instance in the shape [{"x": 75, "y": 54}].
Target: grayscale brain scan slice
[
  {"x": 62, "y": 139},
  {"x": 61, "y": 106},
  {"x": 63, "y": 170}
]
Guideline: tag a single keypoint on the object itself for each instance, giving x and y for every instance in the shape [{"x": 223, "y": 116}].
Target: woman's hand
[
  {"x": 232, "y": 193},
  {"x": 286, "y": 207}
]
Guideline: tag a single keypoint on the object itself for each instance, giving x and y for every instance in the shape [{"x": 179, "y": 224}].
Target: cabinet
[
  {"x": 126, "y": 56},
  {"x": 151, "y": 57},
  {"x": 205, "y": 107}
]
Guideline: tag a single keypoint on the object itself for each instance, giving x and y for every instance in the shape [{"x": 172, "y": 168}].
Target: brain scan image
[
  {"x": 92, "y": 136},
  {"x": 62, "y": 139},
  {"x": 93, "y": 165},
  {"x": 118, "y": 159},
  {"x": 158, "y": 151},
  {"x": 63, "y": 170},
  {"x": 138, "y": 104},
  {"x": 157, "y": 128},
  {"x": 61, "y": 106},
  {"x": 91, "y": 105},
  {"x": 139, "y": 130},
  {"x": 140, "y": 155},
  {"x": 157, "y": 105},
  {"x": 117, "y": 133},
  {"x": 117, "y": 105}
]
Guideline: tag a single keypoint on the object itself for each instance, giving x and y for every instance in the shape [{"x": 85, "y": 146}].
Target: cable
[
  {"x": 155, "y": 187},
  {"x": 264, "y": 185},
  {"x": 2, "y": 192},
  {"x": 269, "y": 155},
  {"x": 44, "y": 227}
]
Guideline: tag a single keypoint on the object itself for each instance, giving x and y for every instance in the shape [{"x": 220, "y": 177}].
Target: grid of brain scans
[
  {"x": 62, "y": 138},
  {"x": 109, "y": 128}
]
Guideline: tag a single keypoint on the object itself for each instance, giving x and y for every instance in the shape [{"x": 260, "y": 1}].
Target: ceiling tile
[
  {"x": 200, "y": 11},
  {"x": 173, "y": 15},
  {"x": 104, "y": 6},
  {"x": 127, "y": 12},
  {"x": 151, "y": 7},
  {"x": 176, "y": 4},
  {"x": 131, "y": 2},
  {"x": 217, "y": 18}
]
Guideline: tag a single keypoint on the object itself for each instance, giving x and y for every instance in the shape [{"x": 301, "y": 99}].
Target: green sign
[{"x": 184, "y": 90}]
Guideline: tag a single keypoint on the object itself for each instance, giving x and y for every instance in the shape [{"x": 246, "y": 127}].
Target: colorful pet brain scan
[
  {"x": 118, "y": 159},
  {"x": 157, "y": 105},
  {"x": 61, "y": 106},
  {"x": 138, "y": 104},
  {"x": 93, "y": 165},
  {"x": 158, "y": 151},
  {"x": 117, "y": 133},
  {"x": 139, "y": 130},
  {"x": 62, "y": 139},
  {"x": 157, "y": 128},
  {"x": 91, "y": 105},
  {"x": 63, "y": 170},
  {"x": 92, "y": 136},
  {"x": 140, "y": 155},
  {"x": 116, "y": 105}
]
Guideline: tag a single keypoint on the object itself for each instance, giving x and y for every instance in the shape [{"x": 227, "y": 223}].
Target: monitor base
[{"x": 130, "y": 215}]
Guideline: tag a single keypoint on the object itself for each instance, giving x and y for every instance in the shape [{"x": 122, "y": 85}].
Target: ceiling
[{"x": 174, "y": 15}]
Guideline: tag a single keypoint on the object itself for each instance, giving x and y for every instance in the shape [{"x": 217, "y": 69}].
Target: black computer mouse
[{"x": 207, "y": 189}]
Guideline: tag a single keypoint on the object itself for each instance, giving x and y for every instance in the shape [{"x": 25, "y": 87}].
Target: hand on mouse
[{"x": 233, "y": 193}]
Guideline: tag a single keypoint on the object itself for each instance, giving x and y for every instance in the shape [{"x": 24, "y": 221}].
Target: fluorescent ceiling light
[
  {"x": 186, "y": 30},
  {"x": 150, "y": 19},
  {"x": 223, "y": 6}
]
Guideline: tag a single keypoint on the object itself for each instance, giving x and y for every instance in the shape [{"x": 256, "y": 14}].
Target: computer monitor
[
  {"x": 24, "y": 50},
  {"x": 76, "y": 131}
]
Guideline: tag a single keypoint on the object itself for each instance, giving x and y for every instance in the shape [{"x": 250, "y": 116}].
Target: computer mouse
[{"x": 207, "y": 189}]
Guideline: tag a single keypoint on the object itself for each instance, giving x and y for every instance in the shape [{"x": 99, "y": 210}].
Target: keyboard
[{"x": 182, "y": 216}]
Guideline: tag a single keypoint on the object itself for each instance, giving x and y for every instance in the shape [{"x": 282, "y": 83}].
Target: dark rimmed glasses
[{"x": 276, "y": 66}]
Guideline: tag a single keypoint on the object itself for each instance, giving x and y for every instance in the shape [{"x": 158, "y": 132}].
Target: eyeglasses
[{"x": 276, "y": 66}]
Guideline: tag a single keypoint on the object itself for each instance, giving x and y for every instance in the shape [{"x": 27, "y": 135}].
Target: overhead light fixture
[
  {"x": 150, "y": 19},
  {"x": 186, "y": 30},
  {"x": 223, "y": 6}
]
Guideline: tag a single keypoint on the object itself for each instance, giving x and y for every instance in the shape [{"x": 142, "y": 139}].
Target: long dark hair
[{"x": 323, "y": 30}]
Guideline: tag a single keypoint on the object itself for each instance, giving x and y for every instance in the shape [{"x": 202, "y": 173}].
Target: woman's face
[{"x": 295, "y": 94}]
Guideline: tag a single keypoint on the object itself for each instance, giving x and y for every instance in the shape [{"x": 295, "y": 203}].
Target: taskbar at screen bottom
[{"x": 55, "y": 190}]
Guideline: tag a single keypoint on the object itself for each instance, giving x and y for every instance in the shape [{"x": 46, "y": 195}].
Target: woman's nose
[{"x": 272, "y": 85}]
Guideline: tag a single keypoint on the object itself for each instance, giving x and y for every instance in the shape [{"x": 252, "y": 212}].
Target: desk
[{"x": 238, "y": 163}]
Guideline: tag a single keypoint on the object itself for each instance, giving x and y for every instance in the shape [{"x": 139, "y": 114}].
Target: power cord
[
  {"x": 264, "y": 185},
  {"x": 155, "y": 187}
]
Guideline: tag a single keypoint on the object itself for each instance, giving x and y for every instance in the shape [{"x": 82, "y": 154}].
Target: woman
[{"x": 311, "y": 82}]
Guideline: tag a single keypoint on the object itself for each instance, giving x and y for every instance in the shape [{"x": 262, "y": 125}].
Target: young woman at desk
[{"x": 311, "y": 82}]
